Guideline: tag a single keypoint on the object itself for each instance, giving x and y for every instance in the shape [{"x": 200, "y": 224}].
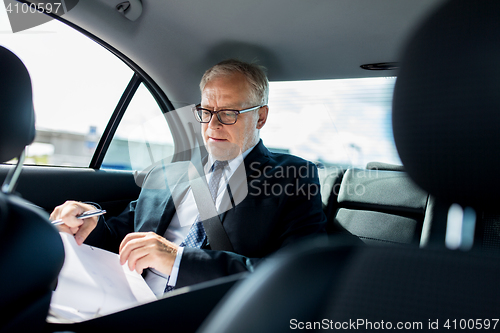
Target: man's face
[{"x": 225, "y": 142}]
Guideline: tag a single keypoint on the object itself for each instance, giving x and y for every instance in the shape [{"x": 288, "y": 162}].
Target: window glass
[
  {"x": 142, "y": 137},
  {"x": 76, "y": 86},
  {"x": 335, "y": 122}
]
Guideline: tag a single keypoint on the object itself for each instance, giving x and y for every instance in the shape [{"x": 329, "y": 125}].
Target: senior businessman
[{"x": 164, "y": 237}]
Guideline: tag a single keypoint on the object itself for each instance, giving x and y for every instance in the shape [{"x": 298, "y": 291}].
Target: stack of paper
[{"x": 92, "y": 283}]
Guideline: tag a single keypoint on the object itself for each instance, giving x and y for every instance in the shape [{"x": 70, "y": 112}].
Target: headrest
[
  {"x": 446, "y": 106},
  {"x": 17, "y": 118}
]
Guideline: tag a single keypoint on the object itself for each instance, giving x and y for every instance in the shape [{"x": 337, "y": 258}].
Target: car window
[
  {"x": 77, "y": 84},
  {"x": 332, "y": 122},
  {"x": 142, "y": 137},
  {"x": 76, "y": 87}
]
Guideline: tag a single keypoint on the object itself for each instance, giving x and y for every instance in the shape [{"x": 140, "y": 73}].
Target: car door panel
[{"x": 48, "y": 187}]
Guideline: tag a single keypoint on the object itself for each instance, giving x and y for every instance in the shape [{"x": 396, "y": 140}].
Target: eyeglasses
[{"x": 226, "y": 117}]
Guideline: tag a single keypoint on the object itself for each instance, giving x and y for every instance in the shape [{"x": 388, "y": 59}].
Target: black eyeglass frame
[{"x": 198, "y": 107}]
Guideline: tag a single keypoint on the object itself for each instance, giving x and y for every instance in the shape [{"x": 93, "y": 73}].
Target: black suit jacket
[{"x": 283, "y": 204}]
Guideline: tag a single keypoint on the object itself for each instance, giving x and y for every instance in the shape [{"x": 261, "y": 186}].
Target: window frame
[{"x": 139, "y": 76}]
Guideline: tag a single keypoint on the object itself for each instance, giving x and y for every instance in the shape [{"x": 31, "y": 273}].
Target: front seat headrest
[
  {"x": 17, "y": 118},
  {"x": 446, "y": 105}
]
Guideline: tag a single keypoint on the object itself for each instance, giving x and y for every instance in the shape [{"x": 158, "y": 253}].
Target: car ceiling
[{"x": 174, "y": 41}]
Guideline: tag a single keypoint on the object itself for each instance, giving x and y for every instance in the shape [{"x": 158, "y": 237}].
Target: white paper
[{"x": 93, "y": 283}]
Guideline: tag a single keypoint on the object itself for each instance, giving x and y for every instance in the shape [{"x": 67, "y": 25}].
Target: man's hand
[
  {"x": 148, "y": 249},
  {"x": 68, "y": 212}
]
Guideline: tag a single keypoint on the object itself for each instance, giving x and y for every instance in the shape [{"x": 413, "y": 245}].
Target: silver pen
[{"x": 87, "y": 214}]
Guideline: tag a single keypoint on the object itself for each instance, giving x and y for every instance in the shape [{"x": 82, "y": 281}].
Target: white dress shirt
[{"x": 183, "y": 219}]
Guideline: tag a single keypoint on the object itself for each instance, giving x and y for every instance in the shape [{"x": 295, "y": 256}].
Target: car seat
[{"x": 31, "y": 251}]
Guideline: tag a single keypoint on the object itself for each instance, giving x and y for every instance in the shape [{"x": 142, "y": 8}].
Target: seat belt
[{"x": 212, "y": 223}]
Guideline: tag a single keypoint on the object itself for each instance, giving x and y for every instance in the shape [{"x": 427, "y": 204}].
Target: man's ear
[{"x": 261, "y": 121}]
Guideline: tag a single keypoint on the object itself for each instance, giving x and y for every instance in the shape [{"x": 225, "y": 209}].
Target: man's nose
[{"x": 214, "y": 122}]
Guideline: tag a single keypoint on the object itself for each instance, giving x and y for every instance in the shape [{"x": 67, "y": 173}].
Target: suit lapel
[
  {"x": 256, "y": 159},
  {"x": 253, "y": 163}
]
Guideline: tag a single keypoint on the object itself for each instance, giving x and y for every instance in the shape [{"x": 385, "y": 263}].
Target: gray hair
[{"x": 255, "y": 74}]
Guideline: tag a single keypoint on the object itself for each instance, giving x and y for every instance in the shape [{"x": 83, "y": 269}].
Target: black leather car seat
[
  {"x": 447, "y": 130},
  {"x": 31, "y": 251},
  {"x": 382, "y": 207}
]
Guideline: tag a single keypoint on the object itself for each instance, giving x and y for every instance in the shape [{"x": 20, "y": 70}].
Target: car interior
[{"x": 427, "y": 229}]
